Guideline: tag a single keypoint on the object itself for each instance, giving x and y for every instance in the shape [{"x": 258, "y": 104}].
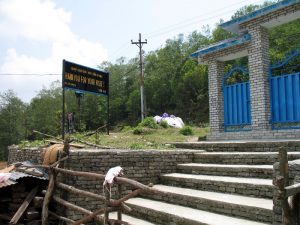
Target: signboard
[{"x": 83, "y": 78}]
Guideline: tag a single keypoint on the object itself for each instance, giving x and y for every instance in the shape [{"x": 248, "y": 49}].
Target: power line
[
  {"x": 183, "y": 23},
  {"x": 30, "y": 74},
  {"x": 195, "y": 20}
]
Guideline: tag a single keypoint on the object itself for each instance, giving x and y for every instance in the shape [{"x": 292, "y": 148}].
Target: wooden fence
[
  {"x": 289, "y": 217},
  {"x": 101, "y": 214}
]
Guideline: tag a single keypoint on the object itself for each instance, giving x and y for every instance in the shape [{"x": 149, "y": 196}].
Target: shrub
[
  {"x": 138, "y": 130},
  {"x": 149, "y": 122},
  {"x": 164, "y": 124},
  {"x": 186, "y": 130},
  {"x": 126, "y": 128}
]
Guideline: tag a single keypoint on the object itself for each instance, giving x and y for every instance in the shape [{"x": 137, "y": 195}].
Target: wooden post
[
  {"x": 48, "y": 196},
  {"x": 107, "y": 201},
  {"x": 119, "y": 197},
  {"x": 283, "y": 182}
]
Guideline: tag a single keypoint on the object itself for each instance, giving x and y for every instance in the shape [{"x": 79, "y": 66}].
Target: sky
[{"x": 36, "y": 35}]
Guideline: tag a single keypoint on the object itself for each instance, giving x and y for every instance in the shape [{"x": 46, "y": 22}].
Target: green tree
[
  {"x": 283, "y": 39},
  {"x": 123, "y": 80},
  {"x": 162, "y": 72},
  {"x": 44, "y": 111},
  {"x": 12, "y": 121}
]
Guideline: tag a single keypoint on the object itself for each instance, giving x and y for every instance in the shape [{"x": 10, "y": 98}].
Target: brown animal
[{"x": 51, "y": 154}]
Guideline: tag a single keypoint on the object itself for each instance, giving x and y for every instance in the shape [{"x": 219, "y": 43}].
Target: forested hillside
[{"x": 174, "y": 83}]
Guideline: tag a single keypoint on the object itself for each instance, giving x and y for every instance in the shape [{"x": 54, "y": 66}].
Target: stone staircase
[{"x": 218, "y": 188}]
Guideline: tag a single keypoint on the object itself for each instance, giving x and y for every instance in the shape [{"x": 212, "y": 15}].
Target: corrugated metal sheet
[
  {"x": 7, "y": 183},
  {"x": 15, "y": 176},
  {"x": 18, "y": 175}
]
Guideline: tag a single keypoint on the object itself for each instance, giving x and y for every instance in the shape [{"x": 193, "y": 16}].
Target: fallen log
[
  {"x": 90, "y": 144},
  {"x": 71, "y": 144},
  {"x": 47, "y": 135},
  {"x": 96, "y": 131}
]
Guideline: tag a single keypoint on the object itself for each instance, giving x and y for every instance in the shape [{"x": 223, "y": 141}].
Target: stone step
[
  {"x": 256, "y": 187},
  {"x": 229, "y": 204},
  {"x": 240, "y": 145},
  {"x": 254, "y": 158},
  {"x": 170, "y": 214},
  {"x": 130, "y": 219},
  {"x": 258, "y": 171}
]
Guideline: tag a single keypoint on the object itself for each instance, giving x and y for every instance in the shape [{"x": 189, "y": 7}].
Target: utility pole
[{"x": 140, "y": 44}]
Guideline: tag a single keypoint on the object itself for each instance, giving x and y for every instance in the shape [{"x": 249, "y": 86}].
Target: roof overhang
[
  {"x": 221, "y": 45},
  {"x": 233, "y": 25}
]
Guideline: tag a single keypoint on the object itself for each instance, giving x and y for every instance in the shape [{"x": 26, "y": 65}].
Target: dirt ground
[{"x": 2, "y": 165}]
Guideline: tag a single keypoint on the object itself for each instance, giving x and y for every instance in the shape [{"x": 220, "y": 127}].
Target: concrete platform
[
  {"x": 245, "y": 186},
  {"x": 222, "y": 197},
  {"x": 167, "y": 214},
  {"x": 259, "y": 171},
  {"x": 228, "y": 204},
  {"x": 130, "y": 219}
]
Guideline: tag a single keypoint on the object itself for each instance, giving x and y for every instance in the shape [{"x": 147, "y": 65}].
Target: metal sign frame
[{"x": 81, "y": 78}]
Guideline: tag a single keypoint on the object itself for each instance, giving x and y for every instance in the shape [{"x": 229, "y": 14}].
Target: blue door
[
  {"x": 237, "y": 105},
  {"x": 285, "y": 92}
]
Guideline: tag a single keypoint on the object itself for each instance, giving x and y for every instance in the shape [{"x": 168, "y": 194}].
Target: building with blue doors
[{"x": 266, "y": 103}]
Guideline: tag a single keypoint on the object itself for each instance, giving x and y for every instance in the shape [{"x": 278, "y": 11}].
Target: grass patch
[
  {"x": 30, "y": 144},
  {"x": 147, "y": 138},
  {"x": 151, "y": 139}
]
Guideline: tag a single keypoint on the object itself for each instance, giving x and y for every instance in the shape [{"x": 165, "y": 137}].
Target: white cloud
[
  {"x": 35, "y": 20},
  {"x": 41, "y": 22}
]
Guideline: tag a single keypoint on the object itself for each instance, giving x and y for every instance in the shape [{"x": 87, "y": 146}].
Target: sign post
[{"x": 77, "y": 77}]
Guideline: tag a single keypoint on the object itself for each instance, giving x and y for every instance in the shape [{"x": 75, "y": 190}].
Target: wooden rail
[
  {"x": 286, "y": 190},
  {"x": 110, "y": 204}
]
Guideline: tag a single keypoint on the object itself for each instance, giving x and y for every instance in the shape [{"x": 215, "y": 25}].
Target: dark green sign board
[
  {"x": 78, "y": 77},
  {"x": 81, "y": 78}
]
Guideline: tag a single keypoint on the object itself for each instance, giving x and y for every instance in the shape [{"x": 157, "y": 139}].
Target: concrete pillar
[
  {"x": 258, "y": 56},
  {"x": 216, "y": 103}
]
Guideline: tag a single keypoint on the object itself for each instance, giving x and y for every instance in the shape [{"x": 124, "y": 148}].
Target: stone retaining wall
[
  {"x": 15, "y": 154},
  {"x": 144, "y": 166}
]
